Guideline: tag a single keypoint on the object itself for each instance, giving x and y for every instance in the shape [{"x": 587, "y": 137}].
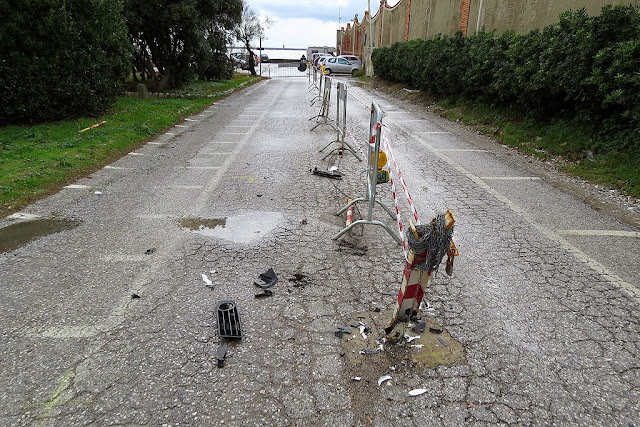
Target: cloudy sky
[{"x": 302, "y": 23}]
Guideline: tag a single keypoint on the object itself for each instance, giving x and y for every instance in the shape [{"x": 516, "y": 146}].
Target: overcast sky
[{"x": 302, "y": 23}]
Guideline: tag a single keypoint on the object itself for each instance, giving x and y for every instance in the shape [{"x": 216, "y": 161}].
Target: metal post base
[
  {"x": 364, "y": 221},
  {"x": 348, "y": 146}
]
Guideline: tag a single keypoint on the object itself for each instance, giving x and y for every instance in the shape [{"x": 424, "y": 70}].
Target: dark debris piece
[
  {"x": 222, "y": 353},
  {"x": 135, "y": 296},
  {"x": 368, "y": 351},
  {"x": 332, "y": 175},
  {"x": 264, "y": 294},
  {"x": 266, "y": 279},
  {"x": 420, "y": 326},
  {"x": 342, "y": 330},
  {"x": 435, "y": 329},
  {"x": 150, "y": 251},
  {"x": 443, "y": 342}
]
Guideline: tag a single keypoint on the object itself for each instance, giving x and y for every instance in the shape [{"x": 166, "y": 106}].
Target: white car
[{"x": 339, "y": 65}]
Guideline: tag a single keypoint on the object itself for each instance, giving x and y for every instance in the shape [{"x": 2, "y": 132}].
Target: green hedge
[
  {"x": 61, "y": 58},
  {"x": 583, "y": 68}
]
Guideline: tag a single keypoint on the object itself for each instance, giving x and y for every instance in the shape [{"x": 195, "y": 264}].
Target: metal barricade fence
[
  {"x": 318, "y": 84},
  {"x": 375, "y": 132},
  {"x": 323, "y": 116},
  {"x": 341, "y": 124}
]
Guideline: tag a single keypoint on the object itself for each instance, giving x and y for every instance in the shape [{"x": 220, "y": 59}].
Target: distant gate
[{"x": 283, "y": 69}]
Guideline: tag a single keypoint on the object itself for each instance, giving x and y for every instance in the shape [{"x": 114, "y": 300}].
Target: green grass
[
  {"x": 585, "y": 152},
  {"x": 38, "y": 160}
]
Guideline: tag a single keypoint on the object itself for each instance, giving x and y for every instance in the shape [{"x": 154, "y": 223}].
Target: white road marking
[
  {"x": 606, "y": 274},
  {"x": 510, "y": 178},
  {"x": 77, "y": 187},
  {"x": 461, "y": 150},
  {"x": 614, "y": 233}
]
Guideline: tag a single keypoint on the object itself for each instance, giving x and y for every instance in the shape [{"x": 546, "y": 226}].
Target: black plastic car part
[
  {"x": 228, "y": 320},
  {"x": 267, "y": 279}
]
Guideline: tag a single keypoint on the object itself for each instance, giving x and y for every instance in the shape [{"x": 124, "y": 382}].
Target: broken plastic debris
[
  {"x": 442, "y": 341},
  {"x": 420, "y": 326},
  {"x": 417, "y": 345},
  {"x": 409, "y": 339},
  {"x": 97, "y": 193},
  {"x": 332, "y": 169},
  {"x": 135, "y": 296},
  {"x": 206, "y": 281},
  {"x": 382, "y": 379},
  {"x": 266, "y": 279},
  {"x": 228, "y": 320},
  {"x": 435, "y": 329},
  {"x": 369, "y": 351},
  {"x": 264, "y": 294},
  {"x": 356, "y": 378},
  {"x": 222, "y": 352},
  {"x": 341, "y": 331},
  {"x": 418, "y": 391},
  {"x": 334, "y": 175},
  {"x": 150, "y": 251}
]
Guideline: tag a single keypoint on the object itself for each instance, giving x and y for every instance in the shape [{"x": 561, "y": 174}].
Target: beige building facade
[{"x": 424, "y": 19}]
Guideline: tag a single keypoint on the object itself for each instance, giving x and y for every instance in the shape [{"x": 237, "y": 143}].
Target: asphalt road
[{"x": 111, "y": 321}]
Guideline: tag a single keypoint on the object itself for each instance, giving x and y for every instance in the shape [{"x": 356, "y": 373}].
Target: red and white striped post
[{"x": 414, "y": 284}]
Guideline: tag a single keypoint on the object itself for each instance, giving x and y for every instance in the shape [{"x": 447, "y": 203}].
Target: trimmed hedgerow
[
  {"x": 583, "y": 68},
  {"x": 61, "y": 59}
]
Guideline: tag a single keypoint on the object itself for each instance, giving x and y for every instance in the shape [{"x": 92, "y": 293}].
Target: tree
[
  {"x": 249, "y": 29},
  {"x": 60, "y": 59},
  {"x": 176, "y": 39}
]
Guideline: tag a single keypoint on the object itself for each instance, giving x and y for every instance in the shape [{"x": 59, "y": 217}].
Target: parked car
[
  {"x": 355, "y": 60},
  {"x": 237, "y": 61},
  {"x": 318, "y": 57},
  {"x": 264, "y": 58},
  {"x": 339, "y": 65}
]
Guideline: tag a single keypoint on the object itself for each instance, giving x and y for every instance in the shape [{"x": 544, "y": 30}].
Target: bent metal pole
[{"x": 416, "y": 277}]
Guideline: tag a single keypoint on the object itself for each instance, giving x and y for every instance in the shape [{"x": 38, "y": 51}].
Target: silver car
[
  {"x": 339, "y": 65},
  {"x": 355, "y": 60}
]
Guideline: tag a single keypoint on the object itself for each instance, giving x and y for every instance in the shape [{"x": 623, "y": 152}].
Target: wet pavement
[{"x": 110, "y": 321}]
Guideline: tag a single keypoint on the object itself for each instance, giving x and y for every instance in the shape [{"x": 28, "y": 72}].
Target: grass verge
[{"x": 36, "y": 161}]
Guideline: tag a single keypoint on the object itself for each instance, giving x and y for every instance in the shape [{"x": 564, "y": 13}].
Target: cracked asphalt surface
[{"x": 111, "y": 322}]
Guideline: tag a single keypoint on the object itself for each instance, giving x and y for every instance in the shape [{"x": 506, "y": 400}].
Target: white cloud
[{"x": 302, "y": 23}]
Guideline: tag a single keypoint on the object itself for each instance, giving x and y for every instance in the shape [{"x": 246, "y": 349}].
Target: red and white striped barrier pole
[{"x": 414, "y": 284}]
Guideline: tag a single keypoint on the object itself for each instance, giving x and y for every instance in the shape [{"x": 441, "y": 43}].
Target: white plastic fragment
[
  {"x": 417, "y": 391},
  {"x": 417, "y": 345},
  {"x": 362, "y": 327},
  {"x": 383, "y": 379},
  {"x": 97, "y": 193},
  {"x": 333, "y": 168},
  {"x": 356, "y": 378},
  {"x": 409, "y": 339},
  {"x": 206, "y": 280},
  {"x": 392, "y": 368}
]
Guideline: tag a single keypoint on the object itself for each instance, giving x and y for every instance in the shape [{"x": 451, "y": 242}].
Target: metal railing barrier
[
  {"x": 323, "y": 116},
  {"x": 375, "y": 132},
  {"x": 341, "y": 124},
  {"x": 317, "y": 84}
]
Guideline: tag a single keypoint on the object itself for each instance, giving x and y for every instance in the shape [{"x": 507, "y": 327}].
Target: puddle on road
[
  {"x": 17, "y": 235},
  {"x": 243, "y": 228}
]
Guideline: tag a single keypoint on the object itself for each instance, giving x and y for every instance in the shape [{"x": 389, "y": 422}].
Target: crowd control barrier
[
  {"x": 341, "y": 124},
  {"x": 323, "y": 116},
  {"x": 375, "y": 132}
]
